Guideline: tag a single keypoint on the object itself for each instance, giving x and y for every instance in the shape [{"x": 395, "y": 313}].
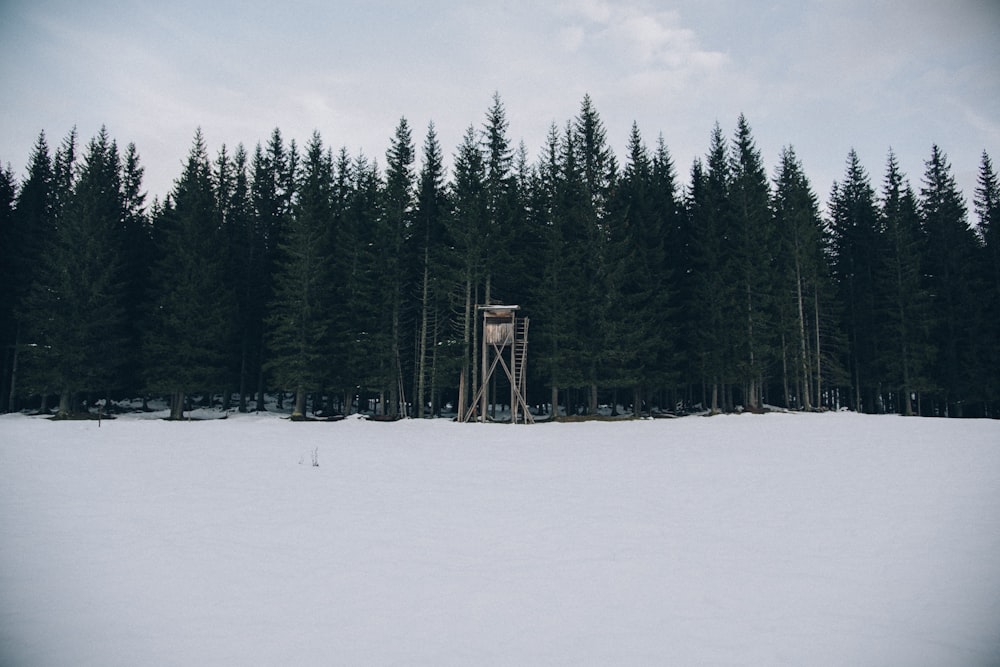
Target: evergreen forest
[{"x": 344, "y": 283}]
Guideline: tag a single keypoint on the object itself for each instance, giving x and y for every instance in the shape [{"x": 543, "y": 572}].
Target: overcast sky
[{"x": 821, "y": 76}]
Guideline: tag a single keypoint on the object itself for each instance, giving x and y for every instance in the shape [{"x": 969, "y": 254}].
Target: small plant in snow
[{"x": 315, "y": 458}]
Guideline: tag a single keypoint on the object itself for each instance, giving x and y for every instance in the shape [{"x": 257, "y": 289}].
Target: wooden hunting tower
[{"x": 505, "y": 344}]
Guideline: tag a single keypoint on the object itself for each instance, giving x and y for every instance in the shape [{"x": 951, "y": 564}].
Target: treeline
[{"x": 325, "y": 274}]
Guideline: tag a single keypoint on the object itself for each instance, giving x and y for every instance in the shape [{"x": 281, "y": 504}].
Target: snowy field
[{"x": 776, "y": 539}]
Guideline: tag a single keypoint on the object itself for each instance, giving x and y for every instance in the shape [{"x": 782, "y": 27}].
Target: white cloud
[{"x": 653, "y": 39}]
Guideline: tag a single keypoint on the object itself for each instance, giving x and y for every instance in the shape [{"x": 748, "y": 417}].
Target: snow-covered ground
[{"x": 777, "y": 539}]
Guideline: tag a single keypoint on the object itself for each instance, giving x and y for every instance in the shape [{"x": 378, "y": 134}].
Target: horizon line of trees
[{"x": 324, "y": 274}]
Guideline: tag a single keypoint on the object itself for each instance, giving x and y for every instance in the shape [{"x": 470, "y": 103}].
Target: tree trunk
[
  {"x": 819, "y": 358},
  {"x": 804, "y": 358},
  {"x": 243, "y": 375},
  {"x": 261, "y": 406},
  {"x": 299, "y": 411},
  {"x": 12, "y": 397},
  {"x": 461, "y": 407},
  {"x": 395, "y": 372},
  {"x": 753, "y": 398},
  {"x": 65, "y": 407},
  {"x": 784, "y": 371},
  {"x": 177, "y": 406},
  {"x": 422, "y": 343},
  {"x": 435, "y": 402},
  {"x": 468, "y": 334}
]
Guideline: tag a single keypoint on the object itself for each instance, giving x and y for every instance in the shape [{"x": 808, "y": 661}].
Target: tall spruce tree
[
  {"x": 637, "y": 288},
  {"x": 137, "y": 257},
  {"x": 343, "y": 240},
  {"x": 363, "y": 334},
  {"x": 34, "y": 227},
  {"x": 599, "y": 171},
  {"x": 393, "y": 246},
  {"x": 8, "y": 278},
  {"x": 74, "y": 312},
  {"x": 498, "y": 192},
  {"x": 854, "y": 221},
  {"x": 950, "y": 260},
  {"x": 750, "y": 255},
  {"x": 800, "y": 271},
  {"x": 987, "y": 207},
  {"x": 675, "y": 255},
  {"x": 192, "y": 304},
  {"x": 559, "y": 299},
  {"x": 233, "y": 196},
  {"x": 904, "y": 302},
  {"x": 467, "y": 235},
  {"x": 299, "y": 321},
  {"x": 712, "y": 297},
  {"x": 429, "y": 237},
  {"x": 691, "y": 351},
  {"x": 272, "y": 191},
  {"x": 549, "y": 305}
]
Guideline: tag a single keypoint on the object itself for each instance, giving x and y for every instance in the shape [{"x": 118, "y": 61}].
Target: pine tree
[
  {"x": 299, "y": 322},
  {"x": 343, "y": 240},
  {"x": 466, "y": 232},
  {"x": 571, "y": 280},
  {"x": 549, "y": 304},
  {"x": 498, "y": 190},
  {"x": 711, "y": 296},
  {"x": 682, "y": 259},
  {"x": 272, "y": 191},
  {"x": 559, "y": 315},
  {"x": 750, "y": 256},
  {"x": 363, "y": 339},
  {"x": 637, "y": 289},
  {"x": 394, "y": 262},
  {"x": 429, "y": 230},
  {"x": 672, "y": 225},
  {"x": 800, "y": 273},
  {"x": 34, "y": 227},
  {"x": 951, "y": 252},
  {"x": 987, "y": 207},
  {"x": 8, "y": 278},
  {"x": 855, "y": 248},
  {"x": 74, "y": 312},
  {"x": 245, "y": 245},
  {"x": 193, "y": 307},
  {"x": 599, "y": 172},
  {"x": 137, "y": 257},
  {"x": 40, "y": 203},
  {"x": 905, "y": 303}
]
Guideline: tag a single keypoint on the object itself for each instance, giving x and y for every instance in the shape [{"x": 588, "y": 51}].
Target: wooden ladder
[{"x": 519, "y": 360}]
